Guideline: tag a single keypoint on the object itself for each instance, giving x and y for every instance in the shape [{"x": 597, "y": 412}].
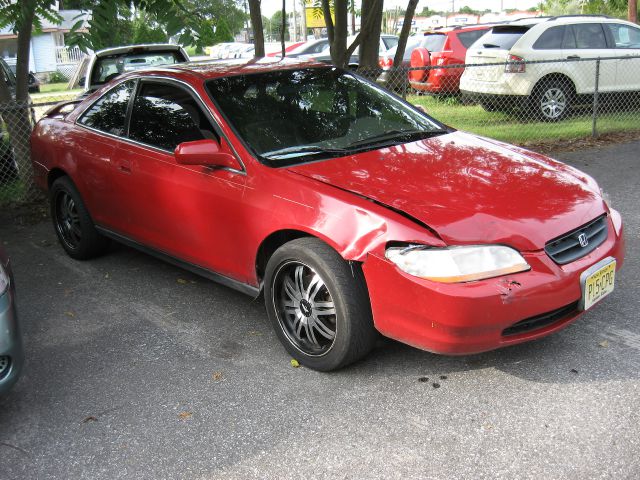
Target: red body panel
[{"x": 467, "y": 189}]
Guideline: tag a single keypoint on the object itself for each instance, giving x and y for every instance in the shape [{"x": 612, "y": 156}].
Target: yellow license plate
[{"x": 598, "y": 282}]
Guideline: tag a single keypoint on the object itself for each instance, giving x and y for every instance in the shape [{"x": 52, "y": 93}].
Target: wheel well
[
  {"x": 54, "y": 174},
  {"x": 270, "y": 244},
  {"x": 557, "y": 77}
]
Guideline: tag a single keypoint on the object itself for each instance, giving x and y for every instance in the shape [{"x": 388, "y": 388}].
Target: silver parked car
[{"x": 11, "y": 356}]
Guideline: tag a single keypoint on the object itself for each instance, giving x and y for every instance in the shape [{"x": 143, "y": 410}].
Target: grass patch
[
  {"x": 11, "y": 192},
  {"x": 53, "y": 87},
  {"x": 510, "y": 127}
]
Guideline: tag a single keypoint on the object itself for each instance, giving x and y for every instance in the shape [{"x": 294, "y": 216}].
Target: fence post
[{"x": 594, "y": 127}]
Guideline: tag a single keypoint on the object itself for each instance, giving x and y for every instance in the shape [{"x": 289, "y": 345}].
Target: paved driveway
[{"x": 137, "y": 369}]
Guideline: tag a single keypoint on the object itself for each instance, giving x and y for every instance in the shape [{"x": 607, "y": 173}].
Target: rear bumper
[
  {"x": 466, "y": 318},
  {"x": 10, "y": 341},
  {"x": 495, "y": 99},
  {"x": 440, "y": 80}
]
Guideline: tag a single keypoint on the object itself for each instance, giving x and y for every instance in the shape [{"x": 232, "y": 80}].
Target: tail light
[
  {"x": 514, "y": 64},
  {"x": 385, "y": 62}
]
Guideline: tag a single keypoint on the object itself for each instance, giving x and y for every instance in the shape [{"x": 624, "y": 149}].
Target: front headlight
[
  {"x": 4, "y": 280},
  {"x": 457, "y": 264}
]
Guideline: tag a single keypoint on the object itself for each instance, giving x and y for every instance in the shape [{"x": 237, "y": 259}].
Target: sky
[{"x": 271, "y": 6}]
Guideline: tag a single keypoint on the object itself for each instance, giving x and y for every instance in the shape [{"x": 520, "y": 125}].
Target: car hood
[{"x": 469, "y": 190}]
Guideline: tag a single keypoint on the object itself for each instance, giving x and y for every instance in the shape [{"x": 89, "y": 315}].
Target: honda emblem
[{"x": 584, "y": 241}]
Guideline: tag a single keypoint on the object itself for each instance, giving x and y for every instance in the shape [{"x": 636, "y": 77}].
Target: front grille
[
  {"x": 540, "y": 321},
  {"x": 568, "y": 248}
]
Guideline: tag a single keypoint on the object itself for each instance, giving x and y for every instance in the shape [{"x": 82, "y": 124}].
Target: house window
[{"x": 58, "y": 38}]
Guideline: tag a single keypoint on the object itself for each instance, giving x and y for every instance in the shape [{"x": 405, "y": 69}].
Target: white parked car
[
  {"x": 551, "y": 89},
  {"x": 107, "y": 64}
]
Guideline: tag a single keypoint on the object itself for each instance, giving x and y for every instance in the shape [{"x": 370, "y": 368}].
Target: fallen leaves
[
  {"x": 182, "y": 281},
  {"x": 185, "y": 415},
  {"x": 295, "y": 363},
  {"x": 604, "y": 343},
  {"x": 217, "y": 376},
  {"x": 70, "y": 314},
  {"x": 90, "y": 418}
]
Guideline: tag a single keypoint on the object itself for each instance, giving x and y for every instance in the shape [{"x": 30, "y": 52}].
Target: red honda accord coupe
[{"x": 352, "y": 211}]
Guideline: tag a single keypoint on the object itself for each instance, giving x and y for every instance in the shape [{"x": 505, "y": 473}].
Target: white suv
[{"x": 552, "y": 88}]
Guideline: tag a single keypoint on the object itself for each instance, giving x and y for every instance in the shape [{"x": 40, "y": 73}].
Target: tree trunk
[
  {"x": 404, "y": 33},
  {"x": 256, "y": 24},
  {"x": 370, "y": 32},
  {"x": 633, "y": 11},
  {"x": 16, "y": 111},
  {"x": 398, "y": 75},
  {"x": 284, "y": 25}
]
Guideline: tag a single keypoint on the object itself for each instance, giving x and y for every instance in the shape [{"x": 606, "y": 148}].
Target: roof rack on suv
[
  {"x": 460, "y": 27},
  {"x": 578, "y": 15}
]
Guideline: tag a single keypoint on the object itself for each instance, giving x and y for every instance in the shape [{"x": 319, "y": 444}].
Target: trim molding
[{"x": 203, "y": 272}]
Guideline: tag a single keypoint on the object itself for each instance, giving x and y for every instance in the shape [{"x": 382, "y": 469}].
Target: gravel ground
[{"x": 137, "y": 369}]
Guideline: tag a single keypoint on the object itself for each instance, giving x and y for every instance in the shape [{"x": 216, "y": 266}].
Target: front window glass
[
  {"x": 625, "y": 36},
  {"x": 164, "y": 116},
  {"x": 288, "y": 116},
  {"x": 110, "y": 67},
  {"x": 109, "y": 113}
]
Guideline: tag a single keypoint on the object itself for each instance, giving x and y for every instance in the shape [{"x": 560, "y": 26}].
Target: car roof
[
  {"x": 145, "y": 47},
  {"x": 208, "y": 69}
]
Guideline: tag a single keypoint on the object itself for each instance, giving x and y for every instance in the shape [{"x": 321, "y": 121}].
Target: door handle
[{"x": 573, "y": 57}]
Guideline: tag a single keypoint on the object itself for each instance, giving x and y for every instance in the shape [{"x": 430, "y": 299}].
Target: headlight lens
[
  {"x": 4, "y": 280},
  {"x": 457, "y": 264}
]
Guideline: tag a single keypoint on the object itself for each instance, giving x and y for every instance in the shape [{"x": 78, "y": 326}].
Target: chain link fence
[
  {"x": 16, "y": 122},
  {"x": 525, "y": 102}
]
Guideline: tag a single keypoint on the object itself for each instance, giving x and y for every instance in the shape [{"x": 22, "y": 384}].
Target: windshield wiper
[
  {"x": 305, "y": 149},
  {"x": 407, "y": 135}
]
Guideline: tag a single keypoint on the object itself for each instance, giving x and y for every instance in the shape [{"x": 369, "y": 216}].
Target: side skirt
[{"x": 203, "y": 272}]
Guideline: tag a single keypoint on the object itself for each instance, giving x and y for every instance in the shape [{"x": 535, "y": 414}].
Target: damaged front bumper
[{"x": 473, "y": 317}]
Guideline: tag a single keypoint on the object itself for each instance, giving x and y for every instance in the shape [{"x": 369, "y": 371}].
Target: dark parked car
[
  {"x": 11, "y": 355},
  {"x": 353, "y": 211}
]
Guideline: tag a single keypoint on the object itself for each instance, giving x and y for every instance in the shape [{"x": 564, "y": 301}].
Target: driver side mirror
[{"x": 204, "y": 152}]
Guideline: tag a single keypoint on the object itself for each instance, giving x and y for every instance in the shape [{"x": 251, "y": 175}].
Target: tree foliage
[{"x": 122, "y": 22}]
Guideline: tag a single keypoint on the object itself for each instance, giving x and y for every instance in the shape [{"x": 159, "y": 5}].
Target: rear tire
[
  {"x": 553, "y": 99},
  {"x": 73, "y": 224},
  {"x": 318, "y": 305}
]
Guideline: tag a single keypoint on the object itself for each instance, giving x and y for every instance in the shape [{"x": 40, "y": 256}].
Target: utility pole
[{"x": 633, "y": 11}]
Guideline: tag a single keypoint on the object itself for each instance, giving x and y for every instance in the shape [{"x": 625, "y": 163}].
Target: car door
[
  {"x": 98, "y": 131},
  {"x": 585, "y": 41},
  {"x": 189, "y": 212},
  {"x": 626, "y": 39}
]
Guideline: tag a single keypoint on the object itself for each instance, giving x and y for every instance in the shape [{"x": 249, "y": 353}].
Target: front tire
[
  {"x": 318, "y": 305},
  {"x": 73, "y": 224}
]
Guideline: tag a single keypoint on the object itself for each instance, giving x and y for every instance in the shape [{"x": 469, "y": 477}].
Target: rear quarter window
[
  {"x": 550, "y": 39},
  {"x": 433, "y": 42},
  {"x": 502, "y": 37},
  {"x": 468, "y": 38}
]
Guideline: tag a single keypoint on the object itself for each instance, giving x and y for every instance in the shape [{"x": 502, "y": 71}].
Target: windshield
[
  {"x": 288, "y": 116},
  {"x": 111, "y": 66}
]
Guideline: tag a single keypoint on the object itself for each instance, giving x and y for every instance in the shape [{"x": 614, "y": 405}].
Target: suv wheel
[{"x": 552, "y": 99}]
